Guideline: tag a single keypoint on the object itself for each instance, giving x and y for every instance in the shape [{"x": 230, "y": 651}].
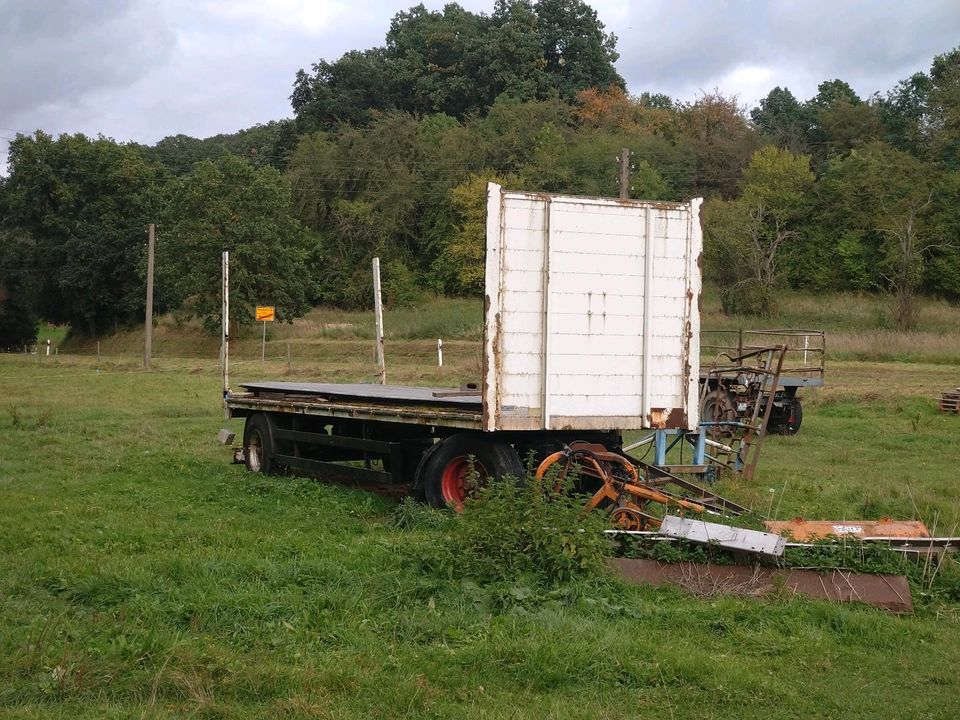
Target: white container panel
[{"x": 574, "y": 285}]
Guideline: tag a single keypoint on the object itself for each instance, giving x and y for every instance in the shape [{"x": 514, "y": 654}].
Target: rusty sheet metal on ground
[
  {"x": 887, "y": 592},
  {"x": 800, "y": 529}
]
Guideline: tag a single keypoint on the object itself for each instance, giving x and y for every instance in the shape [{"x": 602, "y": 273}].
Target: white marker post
[
  {"x": 439, "y": 352},
  {"x": 378, "y": 317}
]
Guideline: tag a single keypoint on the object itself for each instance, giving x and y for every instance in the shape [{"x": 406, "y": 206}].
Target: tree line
[{"x": 389, "y": 151}]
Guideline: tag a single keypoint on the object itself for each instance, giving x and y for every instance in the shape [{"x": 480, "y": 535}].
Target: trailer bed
[{"x": 445, "y": 407}]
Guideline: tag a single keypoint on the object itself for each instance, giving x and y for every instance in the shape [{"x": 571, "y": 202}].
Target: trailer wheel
[
  {"x": 460, "y": 464},
  {"x": 258, "y": 444}
]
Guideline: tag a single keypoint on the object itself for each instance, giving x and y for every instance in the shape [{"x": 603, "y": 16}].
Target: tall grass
[
  {"x": 143, "y": 575},
  {"x": 856, "y": 326}
]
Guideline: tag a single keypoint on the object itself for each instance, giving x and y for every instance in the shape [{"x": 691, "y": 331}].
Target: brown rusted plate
[
  {"x": 887, "y": 592},
  {"x": 800, "y": 529}
]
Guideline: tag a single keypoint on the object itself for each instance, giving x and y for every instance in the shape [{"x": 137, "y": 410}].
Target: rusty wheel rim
[{"x": 459, "y": 479}]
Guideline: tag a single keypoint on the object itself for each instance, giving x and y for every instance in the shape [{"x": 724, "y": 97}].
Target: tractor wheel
[
  {"x": 718, "y": 406},
  {"x": 461, "y": 464}
]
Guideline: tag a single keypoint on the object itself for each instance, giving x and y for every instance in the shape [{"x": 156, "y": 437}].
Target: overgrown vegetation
[{"x": 511, "y": 531}]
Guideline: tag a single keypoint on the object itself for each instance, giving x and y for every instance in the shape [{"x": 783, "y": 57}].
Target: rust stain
[
  {"x": 800, "y": 529},
  {"x": 677, "y": 418},
  {"x": 658, "y": 417}
]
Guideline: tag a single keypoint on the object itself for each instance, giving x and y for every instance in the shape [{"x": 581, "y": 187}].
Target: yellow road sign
[{"x": 265, "y": 313}]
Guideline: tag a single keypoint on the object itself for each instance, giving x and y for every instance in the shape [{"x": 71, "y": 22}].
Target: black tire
[
  {"x": 794, "y": 419},
  {"x": 445, "y": 471},
  {"x": 258, "y": 445}
]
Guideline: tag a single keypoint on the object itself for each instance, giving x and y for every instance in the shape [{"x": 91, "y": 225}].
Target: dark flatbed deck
[
  {"x": 388, "y": 394},
  {"x": 386, "y": 403}
]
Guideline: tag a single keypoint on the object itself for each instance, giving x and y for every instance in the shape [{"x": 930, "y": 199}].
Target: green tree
[
  {"x": 716, "y": 129},
  {"x": 458, "y": 63},
  {"x": 747, "y": 236},
  {"x": 18, "y": 290},
  {"x": 577, "y": 51},
  {"x": 943, "y": 109},
  {"x": 227, "y": 204},
  {"x": 783, "y": 120},
  {"x": 86, "y": 204},
  {"x": 461, "y": 259},
  {"x": 901, "y": 112},
  {"x": 880, "y": 202}
]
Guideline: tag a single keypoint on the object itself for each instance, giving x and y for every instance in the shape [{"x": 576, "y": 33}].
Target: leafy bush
[
  {"x": 748, "y": 298},
  {"x": 511, "y": 531}
]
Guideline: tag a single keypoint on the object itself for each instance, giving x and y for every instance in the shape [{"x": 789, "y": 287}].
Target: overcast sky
[{"x": 143, "y": 69}]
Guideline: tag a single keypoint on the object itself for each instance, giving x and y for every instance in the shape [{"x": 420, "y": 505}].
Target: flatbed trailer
[
  {"x": 591, "y": 328},
  {"x": 389, "y": 434}
]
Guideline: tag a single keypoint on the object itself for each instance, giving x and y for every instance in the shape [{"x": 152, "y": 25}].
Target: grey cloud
[
  {"x": 681, "y": 45},
  {"x": 54, "y": 53}
]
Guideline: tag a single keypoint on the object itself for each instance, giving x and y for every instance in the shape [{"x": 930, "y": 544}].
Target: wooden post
[
  {"x": 263, "y": 344},
  {"x": 378, "y": 317},
  {"x": 148, "y": 323},
  {"x": 225, "y": 332},
  {"x": 288, "y": 356},
  {"x": 625, "y": 173}
]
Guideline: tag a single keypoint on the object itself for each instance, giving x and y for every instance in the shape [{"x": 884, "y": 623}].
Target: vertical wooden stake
[
  {"x": 625, "y": 173},
  {"x": 378, "y": 317},
  {"x": 225, "y": 332},
  {"x": 148, "y": 323},
  {"x": 288, "y": 356}
]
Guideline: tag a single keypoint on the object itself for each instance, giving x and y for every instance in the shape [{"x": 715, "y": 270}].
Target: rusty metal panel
[
  {"x": 591, "y": 313},
  {"x": 800, "y": 529},
  {"x": 888, "y": 592}
]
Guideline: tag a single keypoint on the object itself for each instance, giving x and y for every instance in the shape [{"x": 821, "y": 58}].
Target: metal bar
[
  {"x": 334, "y": 441},
  {"x": 699, "y": 447},
  {"x": 660, "y": 447},
  {"x": 330, "y": 468},
  {"x": 647, "y": 314},
  {"x": 638, "y": 443},
  {"x": 545, "y": 385}
]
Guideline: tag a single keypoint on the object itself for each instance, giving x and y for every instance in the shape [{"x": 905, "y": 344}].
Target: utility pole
[
  {"x": 625, "y": 173},
  {"x": 148, "y": 324}
]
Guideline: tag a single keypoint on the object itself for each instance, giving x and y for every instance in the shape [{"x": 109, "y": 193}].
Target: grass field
[
  {"x": 858, "y": 328},
  {"x": 143, "y": 575}
]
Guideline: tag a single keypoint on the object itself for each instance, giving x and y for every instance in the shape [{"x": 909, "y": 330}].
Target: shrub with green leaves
[{"x": 510, "y": 531}]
